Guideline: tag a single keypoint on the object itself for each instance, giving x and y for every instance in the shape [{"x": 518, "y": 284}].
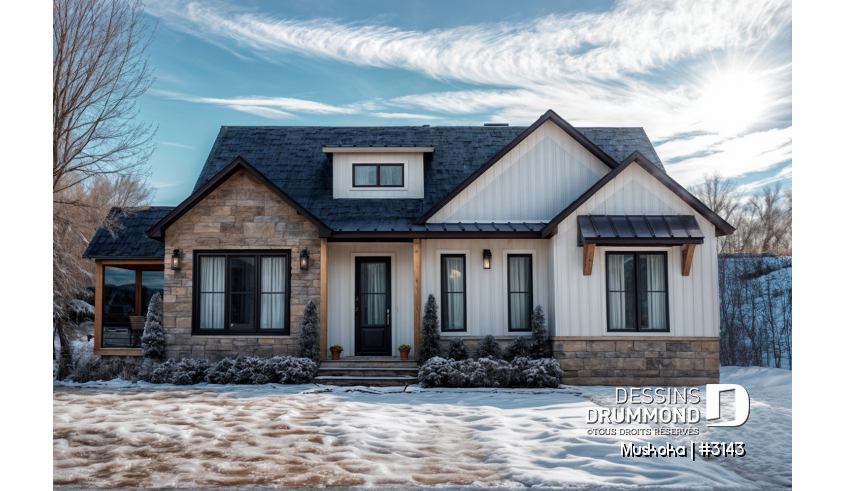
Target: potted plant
[
  {"x": 403, "y": 351},
  {"x": 336, "y": 349}
]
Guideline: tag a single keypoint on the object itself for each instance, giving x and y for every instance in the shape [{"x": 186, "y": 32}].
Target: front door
[{"x": 372, "y": 306}]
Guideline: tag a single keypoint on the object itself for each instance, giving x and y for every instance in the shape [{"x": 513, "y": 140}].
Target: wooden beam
[
  {"x": 686, "y": 258},
  {"x": 417, "y": 295},
  {"x": 324, "y": 302},
  {"x": 589, "y": 251},
  {"x": 99, "y": 295},
  {"x": 138, "y": 285}
]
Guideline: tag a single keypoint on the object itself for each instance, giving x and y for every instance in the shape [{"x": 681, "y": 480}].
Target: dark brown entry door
[{"x": 372, "y": 306}]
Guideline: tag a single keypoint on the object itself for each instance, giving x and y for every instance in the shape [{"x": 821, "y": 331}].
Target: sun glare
[{"x": 732, "y": 101}]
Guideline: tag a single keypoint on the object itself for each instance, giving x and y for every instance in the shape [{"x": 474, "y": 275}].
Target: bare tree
[
  {"x": 100, "y": 150},
  {"x": 773, "y": 216},
  {"x": 720, "y": 195}
]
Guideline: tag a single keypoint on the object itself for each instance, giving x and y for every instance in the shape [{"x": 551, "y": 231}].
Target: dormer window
[{"x": 378, "y": 175}]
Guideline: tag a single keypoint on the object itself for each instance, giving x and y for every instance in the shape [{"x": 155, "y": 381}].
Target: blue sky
[{"x": 711, "y": 82}]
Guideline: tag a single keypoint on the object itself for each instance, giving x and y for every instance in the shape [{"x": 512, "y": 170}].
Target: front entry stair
[{"x": 381, "y": 371}]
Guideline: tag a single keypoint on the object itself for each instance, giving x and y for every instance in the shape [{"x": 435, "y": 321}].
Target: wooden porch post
[
  {"x": 686, "y": 258},
  {"x": 417, "y": 295},
  {"x": 99, "y": 286},
  {"x": 324, "y": 291}
]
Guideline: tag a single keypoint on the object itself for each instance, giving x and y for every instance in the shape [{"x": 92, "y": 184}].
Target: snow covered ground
[{"x": 122, "y": 434}]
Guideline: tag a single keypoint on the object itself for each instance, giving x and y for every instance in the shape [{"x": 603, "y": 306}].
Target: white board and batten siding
[
  {"x": 581, "y": 301},
  {"x": 341, "y": 292},
  {"x": 342, "y": 175},
  {"x": 533, "y": 182},
  {"x": 486, "y": 289}
]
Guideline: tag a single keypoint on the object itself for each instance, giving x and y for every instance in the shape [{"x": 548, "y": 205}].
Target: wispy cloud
[
  {"x": 171, "y": 144},
  {"x": 719, "y": 69}
]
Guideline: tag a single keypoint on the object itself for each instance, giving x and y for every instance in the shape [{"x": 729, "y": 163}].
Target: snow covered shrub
[
  {"x": 156, "y": 372},
  {"x": 457, "y": 349},
  {"x": 291, "y": 370},
  {"x": 430, "y": 337},
  {"x": 97, "y": 368},
  {"x": 536, "y": 373},
  {"x": 486, "y": 372},
  {"x": 249, "y": 370},
  {"x": 221, "y": 372},
  {"x": 189, "y": 371},
  {"x": 309, "y": 333},
  {"x": 152, "y": 341},
  {"x": 437, "y": 372},
  {"x": 539, "y": 335},
  {"x": 519, "y": 348},
  {"x": 488, "y": 347},
  {"x": 80, "y": 311}
]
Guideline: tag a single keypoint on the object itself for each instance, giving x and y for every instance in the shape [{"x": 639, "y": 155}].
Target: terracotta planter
[
  {"x": 335, "y": 355},
  {"x": 403, "y": 355}
]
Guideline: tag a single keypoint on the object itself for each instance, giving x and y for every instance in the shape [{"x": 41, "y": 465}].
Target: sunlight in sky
[{"x": 732, "y": 101}]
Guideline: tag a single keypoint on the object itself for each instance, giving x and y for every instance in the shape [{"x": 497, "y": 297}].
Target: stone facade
[
  {"x": 241, "y": 213},
  {"x": 651, "y": 361}
]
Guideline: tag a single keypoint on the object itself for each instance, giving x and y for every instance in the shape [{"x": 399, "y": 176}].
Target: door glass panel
[
  {"x": 118, "y": 305},
  {"x": 242, "y": 292},
  {"x": 373, "y": 291}
]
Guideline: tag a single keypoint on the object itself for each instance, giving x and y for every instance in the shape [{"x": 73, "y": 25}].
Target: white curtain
[
  {"x": 616, "y": 288},
  {"x": 455, "y": 293},
  {"x": 212, "y": 292},
  {"x": 365, "y": 175},
  {"x": 519, "y": 296},
  {"x": 391, "y": 175},
  {"x": 376, "y": 296},
  {"x": 273, "y": 283},
  {"x": 656, "y": 287}
]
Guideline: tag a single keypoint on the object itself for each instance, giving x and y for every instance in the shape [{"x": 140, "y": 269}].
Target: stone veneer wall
[
  {"x": 652, "y": 361},
  {"x": 241, "y": 213}
]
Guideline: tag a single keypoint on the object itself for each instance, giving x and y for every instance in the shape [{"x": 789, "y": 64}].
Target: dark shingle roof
[
  {"x": 292, "y": 157},
  {"x": 131, "y": 240}
]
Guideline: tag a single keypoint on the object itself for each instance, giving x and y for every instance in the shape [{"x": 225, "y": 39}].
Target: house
[{"x": 368, "y": 221}]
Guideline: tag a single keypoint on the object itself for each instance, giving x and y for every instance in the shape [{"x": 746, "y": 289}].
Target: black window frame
[
  {"x": 378, "y": 183},
  {"x": 444, "y": 293},
  {"x": 636, "y": 255},
  {"x": 530, "y": 289},
  {"x": 226, "y": 331}
]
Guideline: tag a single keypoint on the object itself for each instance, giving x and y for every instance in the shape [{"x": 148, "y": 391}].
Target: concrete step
[
  {"x": 366, "y": 381},
  {"x": 368, "y": 364},
  {"x": 361, "y": 371}
]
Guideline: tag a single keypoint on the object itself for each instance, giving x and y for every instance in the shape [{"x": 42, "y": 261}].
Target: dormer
[{"x": 369, "y": 172}]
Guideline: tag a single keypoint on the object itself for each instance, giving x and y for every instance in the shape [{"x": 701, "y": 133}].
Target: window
[
  {"x": 453, "y": 284},
  {"x": 637, "y": 293},
  {"x": 378, "y": 175},
  {"x": 127, "y": 291},
  {"x": 242, "y": 292},
  {"x": 520, "y": 292}
]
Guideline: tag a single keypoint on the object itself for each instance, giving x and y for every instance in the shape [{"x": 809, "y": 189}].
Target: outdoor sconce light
[
  {"x": 487, "y": 258},
  {"x": 176, "y": 260},
  {"x": 303, "y": 260}
]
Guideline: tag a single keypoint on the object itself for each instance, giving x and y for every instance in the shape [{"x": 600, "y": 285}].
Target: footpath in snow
[{"x": 122, "y": 434}]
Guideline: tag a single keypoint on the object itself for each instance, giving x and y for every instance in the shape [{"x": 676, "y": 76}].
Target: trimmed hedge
[{"x": 485, "y": 372}]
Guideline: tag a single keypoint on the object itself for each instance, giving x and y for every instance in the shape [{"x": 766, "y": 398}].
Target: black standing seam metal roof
[
  {"x": 130, "y": 241},
  {"x": 643, "y": 229},
  {"x": 292, "y": 157}
]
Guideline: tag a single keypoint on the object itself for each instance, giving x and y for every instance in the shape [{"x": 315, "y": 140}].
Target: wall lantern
[
  {"x": 176, "y": 260},
  {"x": 303, "y": 260},
  {"x": 487, "y": 258}
]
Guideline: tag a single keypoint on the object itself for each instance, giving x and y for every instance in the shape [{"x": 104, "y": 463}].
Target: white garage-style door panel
[
  {"x": 581, "y": 301},
  {"x": 532, "y": 183}
]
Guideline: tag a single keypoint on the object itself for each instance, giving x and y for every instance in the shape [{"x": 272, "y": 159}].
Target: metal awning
[{"x": 638, "y": 230}]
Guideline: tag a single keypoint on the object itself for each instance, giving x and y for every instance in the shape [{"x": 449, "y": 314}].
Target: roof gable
[
  {"x": 722, "y": 227},
  {"x": 157, "y": 230}
]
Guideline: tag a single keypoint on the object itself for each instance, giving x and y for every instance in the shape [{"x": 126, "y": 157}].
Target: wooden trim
[
  {"x": 687, "y": 252},
  {"x": 138, "y": 291},
  {"x": 589, "y": 252},
  {"x": 99, "y": 286},
  {"x": 118, "y": 352},
  {"x": 324, "y": 293},
  {"x": 417, "y": 295}
]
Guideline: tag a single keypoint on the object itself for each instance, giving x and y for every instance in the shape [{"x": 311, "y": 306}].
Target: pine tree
[
  {"x": 488, "y": 347},
  {"x": 430, "y": 336},
  {"x": 152, "y": 341},
  {"x": 458, "y": 349},
  {"x": 519, "y": 348},
  {"x": 309, "y": 333},
  {"x": 539, "y": 335}
]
